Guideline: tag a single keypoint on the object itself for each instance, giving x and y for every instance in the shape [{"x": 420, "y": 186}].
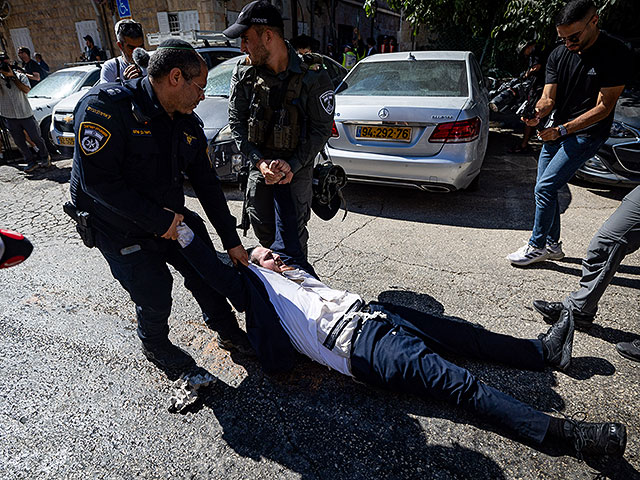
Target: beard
[{"x": 259, "y": 56}]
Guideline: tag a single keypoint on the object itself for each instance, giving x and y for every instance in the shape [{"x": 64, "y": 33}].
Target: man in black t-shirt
[
  {"x": 31, "y": 68},
  {"x": 584, "y": 78}
]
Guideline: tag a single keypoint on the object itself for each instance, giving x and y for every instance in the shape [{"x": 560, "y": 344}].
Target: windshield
[
  {"x": 219, "y": 80},
  {"x": 421, "y": 78},
  {"x": 58, "y": 85}
]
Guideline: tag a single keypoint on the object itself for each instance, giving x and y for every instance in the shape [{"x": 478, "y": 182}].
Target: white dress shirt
[{"x": 308, "y": 310}]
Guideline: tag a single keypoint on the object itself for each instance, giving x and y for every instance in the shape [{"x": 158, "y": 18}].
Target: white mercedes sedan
[{"x": 412, "y": 119}]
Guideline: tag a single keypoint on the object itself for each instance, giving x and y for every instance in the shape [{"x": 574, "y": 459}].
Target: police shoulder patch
[
  {"x": 328, "y": 102},
  {"x": 93, "y": 137}
]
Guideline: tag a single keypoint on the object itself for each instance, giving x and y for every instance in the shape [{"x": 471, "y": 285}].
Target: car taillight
[
  {"x": 456, "y": 132},
  {"x": 334, "y": 130}
]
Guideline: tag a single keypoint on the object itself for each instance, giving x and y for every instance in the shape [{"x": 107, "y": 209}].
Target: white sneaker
[
  {"x": 527, "y": 255},
  {"x": 555, "y": 251}
]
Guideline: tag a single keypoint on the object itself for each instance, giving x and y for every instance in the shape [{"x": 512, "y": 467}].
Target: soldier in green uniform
[{"x": 280, "y": 112}]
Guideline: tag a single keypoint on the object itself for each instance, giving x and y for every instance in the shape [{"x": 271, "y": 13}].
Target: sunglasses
[{"x": 574, "y": 38}]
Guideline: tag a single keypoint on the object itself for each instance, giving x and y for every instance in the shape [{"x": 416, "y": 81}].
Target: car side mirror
[{"x": 342, "y": 87}]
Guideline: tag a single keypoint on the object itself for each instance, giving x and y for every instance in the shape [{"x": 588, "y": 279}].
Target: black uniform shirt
[
  {"x": 607, "y": 63},
  {"x": 129, "y": 163}
]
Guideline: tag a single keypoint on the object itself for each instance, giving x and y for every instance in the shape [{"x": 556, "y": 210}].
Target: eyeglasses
[
  {"x": 200, "y": 89},
  {"x": 574, "y": 38}
]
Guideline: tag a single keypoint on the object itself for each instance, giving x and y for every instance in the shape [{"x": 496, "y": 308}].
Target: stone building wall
[{"x": 52, "y": 25}]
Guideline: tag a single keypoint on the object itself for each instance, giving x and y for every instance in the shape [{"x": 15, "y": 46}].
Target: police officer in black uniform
[
  {"x": 135, "y": 144},
  {"x": 280, "y": 112}
]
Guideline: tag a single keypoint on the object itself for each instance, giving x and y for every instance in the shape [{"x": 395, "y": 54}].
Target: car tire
[{"x": 45, "y": 125}]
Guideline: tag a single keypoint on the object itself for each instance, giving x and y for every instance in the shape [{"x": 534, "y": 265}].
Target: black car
[{"x": 617, "y": 163}]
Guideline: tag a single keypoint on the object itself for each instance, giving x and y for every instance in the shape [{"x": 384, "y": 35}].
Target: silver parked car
[
  {"x": 418, "y": 119},
  {"x": 58, "y": 85}
]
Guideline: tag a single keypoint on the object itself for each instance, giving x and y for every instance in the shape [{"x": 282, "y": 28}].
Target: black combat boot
[
  {"x": 557, "y": 343},
  {"x": 595, "y": 438},
  {"x": 630, "y": 350},
  {"x": 550, "y": 312}
]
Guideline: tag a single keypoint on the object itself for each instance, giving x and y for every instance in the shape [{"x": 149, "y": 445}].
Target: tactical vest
[{"x": 276, "y": 121}]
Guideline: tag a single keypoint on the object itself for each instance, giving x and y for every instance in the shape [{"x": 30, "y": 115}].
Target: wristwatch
[{"x": 562, "y": 130}]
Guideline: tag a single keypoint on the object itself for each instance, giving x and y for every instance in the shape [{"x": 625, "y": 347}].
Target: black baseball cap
[
  {"x": 4, "y": 56},
  {"x": 259, "y": 12}
]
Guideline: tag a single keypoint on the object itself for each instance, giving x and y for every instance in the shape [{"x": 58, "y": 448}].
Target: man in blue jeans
[{"x": 584, "y": 78}]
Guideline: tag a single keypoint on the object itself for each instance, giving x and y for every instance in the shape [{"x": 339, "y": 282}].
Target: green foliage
[
  {"x": 529, "y": 18},
  {"x": 470, "y": 17}
]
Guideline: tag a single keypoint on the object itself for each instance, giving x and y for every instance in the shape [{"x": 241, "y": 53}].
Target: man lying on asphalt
[{"x": 392, "y": 346}]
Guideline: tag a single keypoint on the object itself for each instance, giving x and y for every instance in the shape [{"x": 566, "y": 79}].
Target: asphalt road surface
[{"x": 78, "y": 400}]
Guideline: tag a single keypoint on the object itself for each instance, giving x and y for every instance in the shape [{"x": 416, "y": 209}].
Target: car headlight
[
  {"x": 621, "y": 130},
  {"x": 224, "y": 135}
]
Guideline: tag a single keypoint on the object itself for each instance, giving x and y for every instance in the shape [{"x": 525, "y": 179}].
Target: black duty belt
[{"x": 340, "y": 325}]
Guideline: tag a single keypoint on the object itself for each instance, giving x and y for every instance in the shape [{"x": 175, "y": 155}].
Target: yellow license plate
[
  {"x": 400, "y": 134},
  {"x": 66, "y": 141}
]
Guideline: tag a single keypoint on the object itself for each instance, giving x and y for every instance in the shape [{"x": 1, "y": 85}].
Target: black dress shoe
[
  {"x": 557, "y": 343},
  {"x": 596, "y": 438},
  {"x": 168, "y": 357},
  {"x": 630, "y": 350},
  {"x": 550, "y": 312}
]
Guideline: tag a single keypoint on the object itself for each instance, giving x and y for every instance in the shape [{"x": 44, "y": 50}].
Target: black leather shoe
[
  {"x": 550, "y": 312},
  {"x": 168, "y": 357},
  {"x": 557, "y": 343},
  {"x": 630, "y": 350},
  {"x": 596, "y": 438}
]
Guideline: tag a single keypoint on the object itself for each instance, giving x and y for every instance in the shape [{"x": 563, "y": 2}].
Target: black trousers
[
  {"x": 399, "y": 352},
  {"x": 144, "y": 274}
]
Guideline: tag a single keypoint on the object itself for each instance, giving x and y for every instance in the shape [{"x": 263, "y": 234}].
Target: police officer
[
  {"x": 135, "y": 143},
  {"x": 280, "y": 113}
]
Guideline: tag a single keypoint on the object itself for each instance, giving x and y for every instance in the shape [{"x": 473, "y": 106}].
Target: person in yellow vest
[{"x": 349, "y": 58}]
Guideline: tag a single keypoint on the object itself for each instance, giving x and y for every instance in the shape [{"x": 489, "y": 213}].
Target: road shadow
[
  {"x": 323, "y": 426},
  {"x": 564, "y": 266},
  {"x": 503, "y": 200},
  {"x": 59, "y": 171}
]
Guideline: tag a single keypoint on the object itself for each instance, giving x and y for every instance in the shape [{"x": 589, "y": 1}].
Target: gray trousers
[
  {"x": 17, "y": 127},
  {"x": 261, "y": 209},
  {"x": 617, "y": 237}
]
